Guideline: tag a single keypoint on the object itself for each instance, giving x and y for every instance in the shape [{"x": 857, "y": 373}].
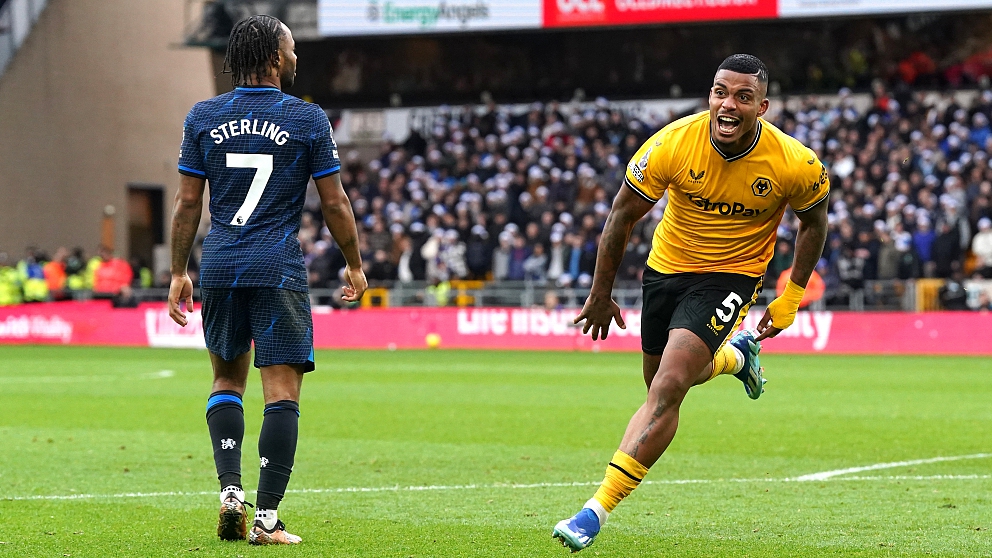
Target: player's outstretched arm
[
  {"x": 185, "y": 222},
  {"x": 809, "y": 247},
  {"x": 340, "y": 220},
  {"x": 600, "y": 309}
]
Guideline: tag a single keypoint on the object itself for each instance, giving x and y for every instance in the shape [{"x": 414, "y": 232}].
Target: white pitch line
[
  {"x": 101, "y": 496},
  {"x": 837, "y": 472},
  {"x": 916, "y": 478},
  {"x": 57, "y": 379},
  {"x": 161, "y": 374},
  {"x": 441, "y": 488},
  {"x": 158, "y": 375}
]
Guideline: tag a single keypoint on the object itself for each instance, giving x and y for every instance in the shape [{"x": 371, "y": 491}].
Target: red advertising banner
[
  {"x": 96, "y": 323},
  {"x": 571, "y": 13}
]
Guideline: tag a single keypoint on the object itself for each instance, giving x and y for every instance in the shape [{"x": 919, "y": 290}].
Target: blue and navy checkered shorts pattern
[{"x": 277, "y": 320}]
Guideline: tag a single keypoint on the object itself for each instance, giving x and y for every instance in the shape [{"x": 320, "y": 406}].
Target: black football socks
[
  {"x": 226, "y": 421},
  {"x": 276, "y": 452}
]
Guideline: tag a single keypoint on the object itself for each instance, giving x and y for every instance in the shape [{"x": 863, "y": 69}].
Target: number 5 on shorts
[
  {"x": 263, "y": 164},
  {"x": 731, "y": 303}
]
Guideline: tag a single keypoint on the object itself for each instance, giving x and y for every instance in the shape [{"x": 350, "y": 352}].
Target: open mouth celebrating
[{"x": 727, "y": 125}]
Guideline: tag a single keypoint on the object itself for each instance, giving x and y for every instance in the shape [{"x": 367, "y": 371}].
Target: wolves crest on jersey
[
  {"x": 761, "y": 186},
  {"x": 726, "y": 222}
]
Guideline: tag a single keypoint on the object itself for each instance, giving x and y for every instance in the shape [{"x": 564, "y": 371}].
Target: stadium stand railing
[{"x": 913, "y": 295}]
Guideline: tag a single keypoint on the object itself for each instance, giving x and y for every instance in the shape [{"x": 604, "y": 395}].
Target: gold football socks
[
  {"x": 728, "y": 360},
  {"x": 623, "y": 475}
]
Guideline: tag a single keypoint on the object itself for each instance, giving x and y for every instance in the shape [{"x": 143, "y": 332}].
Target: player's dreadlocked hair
[
  {"x": 746, "y": 64},
  {"x": 252, "y": 48}
]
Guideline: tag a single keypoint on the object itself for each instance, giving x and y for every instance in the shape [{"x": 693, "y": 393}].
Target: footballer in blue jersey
[{"x": 257, "y": 148}]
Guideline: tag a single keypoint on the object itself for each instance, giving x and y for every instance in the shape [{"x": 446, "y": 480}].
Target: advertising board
[
  {"x": 570, "y": 13},
  {"x": 813, "y": 8},
  {"x": 96, "y": 323},
  {"x": 388, "y": 17},
  {"x": 382, "y": 17}
]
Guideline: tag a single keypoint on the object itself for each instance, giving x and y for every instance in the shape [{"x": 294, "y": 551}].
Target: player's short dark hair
[
  {"x": 746, "y": 64},
  {"x": 253, "y": 48}
]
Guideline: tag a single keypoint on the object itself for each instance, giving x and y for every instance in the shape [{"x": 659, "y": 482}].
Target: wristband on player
[{"x": 783, "y": 309}]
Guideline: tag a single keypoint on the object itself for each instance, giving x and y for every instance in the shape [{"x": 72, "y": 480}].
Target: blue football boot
[
  {"x": 579, "y": 531},
  {"x": 750, "y": 374}
]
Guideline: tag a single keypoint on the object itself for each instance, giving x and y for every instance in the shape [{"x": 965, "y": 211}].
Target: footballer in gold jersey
[{"x": 729, "y": 176}]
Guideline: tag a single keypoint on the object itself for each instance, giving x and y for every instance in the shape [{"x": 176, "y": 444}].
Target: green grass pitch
[{"x": 104, "y": 452}]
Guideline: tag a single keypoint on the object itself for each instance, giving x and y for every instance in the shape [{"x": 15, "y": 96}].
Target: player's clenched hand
[
  {"x": 598, "y": 313},
  {"x": 181, "y": 289},
  {"x": 781, "y": 312},
  {"x": 765, "y": 328},
  {"x": 353, "y": 291}
]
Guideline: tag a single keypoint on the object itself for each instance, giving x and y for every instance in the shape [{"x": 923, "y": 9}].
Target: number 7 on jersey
[{"x": 263, "y": 166}]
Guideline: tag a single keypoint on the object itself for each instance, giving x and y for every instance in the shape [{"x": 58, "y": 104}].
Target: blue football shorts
[{"x": 277, "y": 320}]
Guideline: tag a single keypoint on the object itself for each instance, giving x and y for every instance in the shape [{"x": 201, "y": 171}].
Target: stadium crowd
[
  {"x": 39, "y": 277},
  {"x": 490, "y": 195}
]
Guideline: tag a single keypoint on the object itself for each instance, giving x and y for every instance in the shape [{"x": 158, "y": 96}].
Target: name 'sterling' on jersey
[
  {"x": 246, "y": 127},
  {"x": 258, "y": 148}
]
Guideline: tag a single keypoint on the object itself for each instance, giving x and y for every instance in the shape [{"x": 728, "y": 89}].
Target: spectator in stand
[
  {"x": 556, "y": 253},
  {"x": 417, "y": 264},
  {"x": 552, "y": 301},
  {"x": 888, "y": 255},
  {"x": 536, "y": 265},
  {"x": 75, "y": 270},
  {"x": 850, "y": 269},
  {"x": 321, "y": 266},
  {"x": 984, "y": 302},
  {"x": 947, "y": 251},
  {"x": 478, "y": 253},
  {"x": 981, "y": 247},
  {"x": 381, "y": 270},
  {"x": 404, "y": 272},
  {"x": 142, "y": 274},
  {"x": 501, "y": 256},
  {"x": 32, "y": 276},
  {"x": 909, "y": 264},
  {"x": 111, "y": 275},
  {"x": 634, "y": 259},
  {"x": 55, "y": 273},
  {"x": 953, "y": 295},
  {"x": 923, "y": 240},
  {"x": 10, "y": 282},
  {"x": 781, "y": 260},
  {"x": 452, "y": 252},
  {"x": 89, "y": 272},
  {"x": 518, "y": 255},
  {"x": 430, "y": 252}
]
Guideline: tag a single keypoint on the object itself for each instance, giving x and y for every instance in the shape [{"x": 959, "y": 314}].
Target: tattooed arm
[
  {"x": 185, "y": 222},
  {"x": 340, "y": 220},
  {"x": 600, "y": 309}
]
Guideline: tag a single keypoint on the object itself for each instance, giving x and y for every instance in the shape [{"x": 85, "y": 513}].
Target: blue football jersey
[{"x": 257, "y": 147}]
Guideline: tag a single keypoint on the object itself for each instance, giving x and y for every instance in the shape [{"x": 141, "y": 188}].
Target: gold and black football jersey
[{"x": 723, "y": 211}]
